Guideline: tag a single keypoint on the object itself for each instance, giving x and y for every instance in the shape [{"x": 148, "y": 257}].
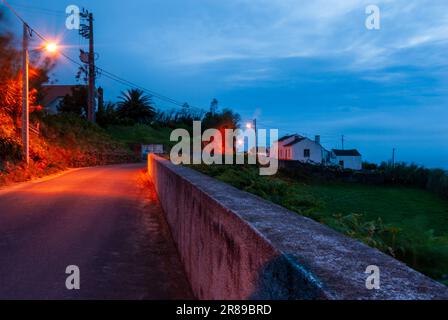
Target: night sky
[{"x": 310, "y": 67}]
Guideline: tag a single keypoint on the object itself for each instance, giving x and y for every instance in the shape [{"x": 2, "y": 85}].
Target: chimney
[{"x": 317, "y": 139}]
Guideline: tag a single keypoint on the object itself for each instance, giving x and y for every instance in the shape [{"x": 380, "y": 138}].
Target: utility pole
[
  {"x": 342, "y": 142},
  {"x": 86, "y": 31},
  {"x": 256, "y": 138},
  {"x": 393, "y": 157},
  {"x": 91, "y": 102},
  {"x": 25, "y": 92}
]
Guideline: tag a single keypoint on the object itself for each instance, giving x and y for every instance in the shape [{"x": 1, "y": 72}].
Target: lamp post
[
  {"x": 50, "y": 47},
  {"x": 253, "y": 125},
  {"x": 25, "y": 97}
]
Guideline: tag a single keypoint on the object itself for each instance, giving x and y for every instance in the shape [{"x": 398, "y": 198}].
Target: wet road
[{"x": 104, "y": 220}]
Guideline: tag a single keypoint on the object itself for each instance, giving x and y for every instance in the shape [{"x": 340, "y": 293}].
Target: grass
[
  {"x": 141, "y": 133},
  {"x": 65, "y": 141},
  {"x": 406, "y": 223},
  {"x": 407, "y": 208}
]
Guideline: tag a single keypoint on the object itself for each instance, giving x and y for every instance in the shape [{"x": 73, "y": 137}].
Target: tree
[
  {"x": 75, "y": 103},
  {"x": 214, "y": 106},
  {"x": 107, "y": 115},
  {"x": 11, "y": 77},
  {"x": 135, "y": 107},
  {"x": 226, "y": 119}
]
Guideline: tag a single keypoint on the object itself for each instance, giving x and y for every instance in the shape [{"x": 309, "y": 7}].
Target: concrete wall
[{"x": 237, "y": 246}]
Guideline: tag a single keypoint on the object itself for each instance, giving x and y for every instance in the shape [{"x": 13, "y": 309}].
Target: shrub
[{"x": 412, "y": 175}]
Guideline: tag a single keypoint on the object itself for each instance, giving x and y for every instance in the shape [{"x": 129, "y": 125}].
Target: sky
[{"x": 307, "y": 67}]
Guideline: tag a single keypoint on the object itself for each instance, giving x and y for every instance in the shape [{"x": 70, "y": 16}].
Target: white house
[
  {"x": 347, "y": 159},
  {"x": 299, "y": 148}
]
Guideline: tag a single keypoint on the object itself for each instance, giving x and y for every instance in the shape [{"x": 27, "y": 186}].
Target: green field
[
  {"x": 407, "y": 223},
  {"x": 407, "y": 208}
]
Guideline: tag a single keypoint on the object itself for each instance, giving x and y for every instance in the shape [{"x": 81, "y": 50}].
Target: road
[{"x": 105, "y": 220}]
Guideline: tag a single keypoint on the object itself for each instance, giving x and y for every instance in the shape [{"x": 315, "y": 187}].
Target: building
[
  {"x": 53, "y": 95},
  {"x": 299, "y": 148},
  {"x": 347, "y": 159}
]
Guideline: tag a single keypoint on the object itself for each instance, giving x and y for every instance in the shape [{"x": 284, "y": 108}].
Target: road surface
[{"x": 104, "y": 220}]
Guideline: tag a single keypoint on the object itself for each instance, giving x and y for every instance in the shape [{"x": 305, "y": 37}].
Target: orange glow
[
  {"x": 51, "y": 47},
  {"x": 249, "y": 125}
]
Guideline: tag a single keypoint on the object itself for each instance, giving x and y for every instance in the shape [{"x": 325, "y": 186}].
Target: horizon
[{"x": 292, "y": 65}]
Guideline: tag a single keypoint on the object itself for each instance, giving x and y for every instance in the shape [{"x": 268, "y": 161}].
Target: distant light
[
  {"x": 249, "y": 125},
  {"x": 240, "y": 142},
  {"x": 51, "y": 47}
]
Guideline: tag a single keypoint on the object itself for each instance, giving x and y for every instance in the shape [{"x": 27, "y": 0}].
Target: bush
[
  {"x": 10, "y": 149},
  {"x": 434, "y": 180}
]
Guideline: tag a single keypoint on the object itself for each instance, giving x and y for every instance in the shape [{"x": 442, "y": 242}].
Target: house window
[
  {"x": 341, "y": 163},
  {"x": 281, "y": 154},
  {"x": 307, "y": 153}
]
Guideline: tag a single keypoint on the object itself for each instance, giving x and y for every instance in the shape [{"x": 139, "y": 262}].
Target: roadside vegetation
[
  {"x": 67, "y": 139},
  {"x": 408, "y": 223},
  {"x": 412, "y": 175},
  {"x": 64, "y": 141}
]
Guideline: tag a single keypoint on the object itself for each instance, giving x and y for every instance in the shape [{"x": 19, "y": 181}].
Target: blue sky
[{"x": 300, "y": 66}]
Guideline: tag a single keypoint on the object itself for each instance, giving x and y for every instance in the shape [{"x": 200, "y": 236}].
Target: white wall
[
  {"x": 315, "y": 151},
  {"x": 354, "y": 163}
]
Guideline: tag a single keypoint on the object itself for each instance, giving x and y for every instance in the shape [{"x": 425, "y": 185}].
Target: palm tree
[{"x": 135, "y": 106}]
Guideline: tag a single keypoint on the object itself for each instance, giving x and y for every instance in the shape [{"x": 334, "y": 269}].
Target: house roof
[
  {"x": 346, "y": 153},
  {"x": 293, "y": 142},
  {"x": 286, "y": 137},
  {"x": 55, "y": 92}
]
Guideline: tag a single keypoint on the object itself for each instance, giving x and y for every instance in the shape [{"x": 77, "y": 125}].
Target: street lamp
[
  {"x": 250, "y": 125},
  {"x": 25, "y": 92},
  {"x": 50, "y": 47}
]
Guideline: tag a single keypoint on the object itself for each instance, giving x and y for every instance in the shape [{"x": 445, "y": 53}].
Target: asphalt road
[{"x": 105, "y": 220}]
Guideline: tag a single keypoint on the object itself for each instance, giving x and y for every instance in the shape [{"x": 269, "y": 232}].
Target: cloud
[{"x": 332, "y": 29}]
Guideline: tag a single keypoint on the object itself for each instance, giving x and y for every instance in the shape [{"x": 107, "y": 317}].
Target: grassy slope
[
  {"x": 397, "y": 221},
  {"x": 65, "y": 141},
  {"x": 141, "y": 134}
]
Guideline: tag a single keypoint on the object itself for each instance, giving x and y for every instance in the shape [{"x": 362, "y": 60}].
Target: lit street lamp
[
  {"x": 253, "y": 125},
  {"x": 50, "y": 47},
  {"x": 25, "y": 92}
]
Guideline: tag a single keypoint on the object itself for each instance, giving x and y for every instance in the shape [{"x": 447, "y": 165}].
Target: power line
[
  {"x": 104, "y": 72},
  {"x": 40, "y": 10}
]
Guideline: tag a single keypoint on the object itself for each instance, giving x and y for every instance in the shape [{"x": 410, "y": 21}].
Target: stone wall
[{"x": 235, "y": 245}]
